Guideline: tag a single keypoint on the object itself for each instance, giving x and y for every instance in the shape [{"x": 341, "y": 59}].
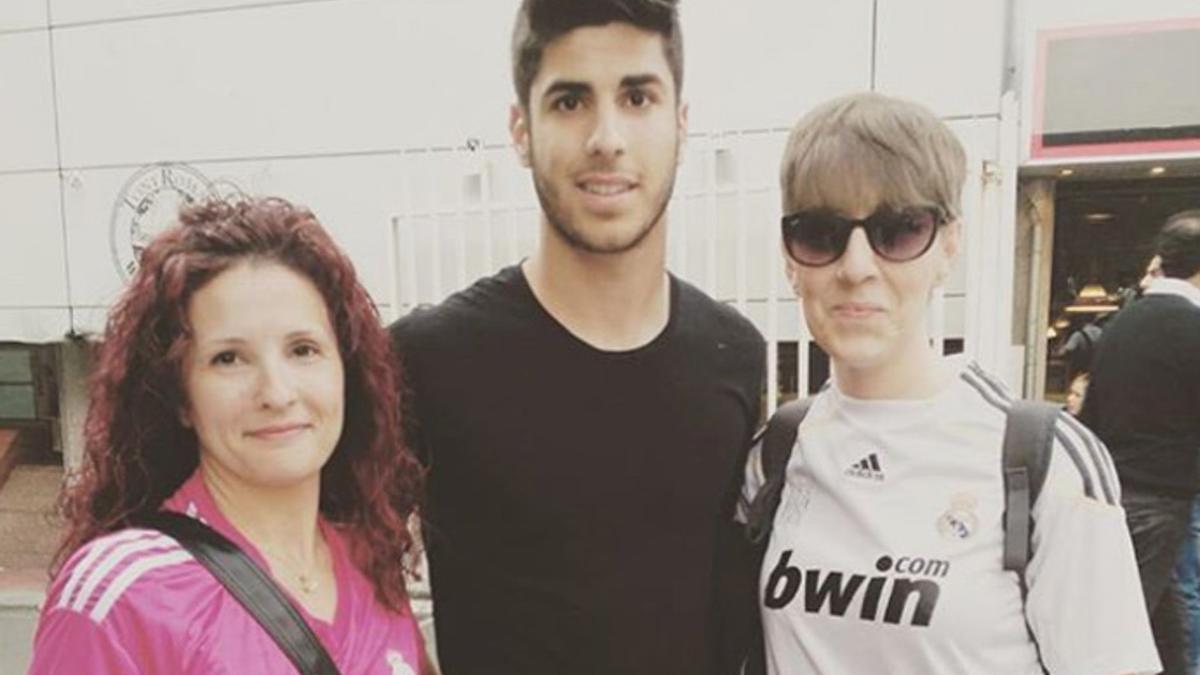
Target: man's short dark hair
[
  {"x": 1178, "y": 244},
  {"x": 540, "y": 22}
]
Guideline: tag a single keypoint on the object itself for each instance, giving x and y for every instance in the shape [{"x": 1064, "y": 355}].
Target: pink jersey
[{"x": 135, "y": 601}]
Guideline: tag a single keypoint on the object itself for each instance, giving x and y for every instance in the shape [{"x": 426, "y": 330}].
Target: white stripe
[
  {"x": 97, "y": 548},
  {"x": 1102, "y": 450},
  {"x": 117, "y": 555},
  {"x": 985, "y": 392},
  {"x": 1086, "y": 460},
  {"x": 991, "y": 381},
  {"x": 130, "y": 574},
  {"x": 1094, "y": 455}
]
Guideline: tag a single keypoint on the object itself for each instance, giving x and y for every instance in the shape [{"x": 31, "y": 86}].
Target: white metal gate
[{"x": 468, "y": 212}]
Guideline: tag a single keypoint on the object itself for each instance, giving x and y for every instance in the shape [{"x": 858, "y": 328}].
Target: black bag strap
[
  {"x": 1028, "y": 440},
  {"x": 774, "y": 442},
  {"x": 251, "y": 586},
  {"x": 1028, "y": 437}
]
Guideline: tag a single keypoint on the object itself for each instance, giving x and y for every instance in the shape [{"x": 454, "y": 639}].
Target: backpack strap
[
  {"x": 251, "y": 586},
  {"x": 774, "y": 442},
  {"x": 1028, "y": 438}
]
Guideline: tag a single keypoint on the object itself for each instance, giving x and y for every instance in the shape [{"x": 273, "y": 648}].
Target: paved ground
[{"x": 29, "y": 534}]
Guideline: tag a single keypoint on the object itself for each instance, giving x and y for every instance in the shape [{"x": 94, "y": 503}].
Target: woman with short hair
[{"x": 885, "y": 552}]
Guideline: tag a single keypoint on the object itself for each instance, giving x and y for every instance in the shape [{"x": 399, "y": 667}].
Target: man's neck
[{"x": 613, "y": 302}]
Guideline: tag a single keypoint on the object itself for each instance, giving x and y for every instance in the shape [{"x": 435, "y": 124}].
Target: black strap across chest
[{"x": 251, "y": 586}]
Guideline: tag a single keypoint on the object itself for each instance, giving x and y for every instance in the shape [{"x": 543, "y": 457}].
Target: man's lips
[{"x": 605, "y": 184}]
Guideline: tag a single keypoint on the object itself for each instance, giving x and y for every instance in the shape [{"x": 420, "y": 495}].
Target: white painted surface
[
  {"x": 354, "y": 197},
  {"x": 946, "y": 54},
  {"x": 22, "y": 14},
  {"x": 78, "y": 11},
  {"x": 25, "y": 324},
  {"x": 26, "y": 102},
  {"x": 343, "y": 77},
  {"x": 764, "y": 63},
  {"x": 321, "y": 111},
  {"x": 32, "y": 266}
]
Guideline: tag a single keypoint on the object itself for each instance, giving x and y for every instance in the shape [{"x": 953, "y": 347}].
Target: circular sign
[{"x": 148, "y": 203}]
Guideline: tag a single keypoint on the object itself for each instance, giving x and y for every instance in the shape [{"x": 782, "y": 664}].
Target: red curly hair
[{"x": 137, "y": 451}]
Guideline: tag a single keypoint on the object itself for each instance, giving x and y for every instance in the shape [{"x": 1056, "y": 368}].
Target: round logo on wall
[{"x": 148, "y": 203}]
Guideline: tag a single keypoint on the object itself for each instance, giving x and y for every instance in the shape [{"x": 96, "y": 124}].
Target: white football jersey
[{"x": 886, "y": 551}]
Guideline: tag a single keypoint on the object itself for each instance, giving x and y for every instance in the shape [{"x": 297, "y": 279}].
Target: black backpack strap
[
  {"x": 1028, "y": 441},
  {"x": 774, "y": 443},
  {"x": 1028, "y": 438},
  {"x": 251, "y": 586}
]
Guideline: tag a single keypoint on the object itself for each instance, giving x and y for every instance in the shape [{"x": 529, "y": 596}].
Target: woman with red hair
[{"x": 245, "y": 381}]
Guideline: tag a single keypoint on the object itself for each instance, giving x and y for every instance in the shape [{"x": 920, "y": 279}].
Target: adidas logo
[{"x": 867, "y": 468}]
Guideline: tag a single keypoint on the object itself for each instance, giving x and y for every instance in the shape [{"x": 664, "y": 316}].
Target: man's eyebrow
[
  {"x": 639, "y": 81},
  {"x": 567, "y": 87}
]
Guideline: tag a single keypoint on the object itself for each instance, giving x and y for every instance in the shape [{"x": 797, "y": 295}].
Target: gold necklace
[
  {"x": 307, "y": 583},
  {"x": 306, "y": 578}
]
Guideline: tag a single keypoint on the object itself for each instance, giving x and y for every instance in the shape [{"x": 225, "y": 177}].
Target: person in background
[
  {"x": 244, "y": 380},
  {"x": 1080, "y": 347},
  {"x": 1153, "y": 271},
  {"x": 1144, "y": 403},
  {"x": 585, "y": 414},
  {"x": 1076, "y": 394},
  {"x": 885, "y": 554}
]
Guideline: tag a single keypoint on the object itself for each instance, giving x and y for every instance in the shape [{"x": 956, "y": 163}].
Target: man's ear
[{"x": 518, "y": 130}]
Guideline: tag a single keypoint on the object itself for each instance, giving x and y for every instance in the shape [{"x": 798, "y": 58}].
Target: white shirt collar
[{"x": 1180, "y": 287}]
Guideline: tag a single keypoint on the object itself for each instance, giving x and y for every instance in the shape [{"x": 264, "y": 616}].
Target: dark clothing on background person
[
  {"x": 1144, "y": 397},
  {"x": 579, "y": 500},
  {"x": 1144, "y": 403},
  {"x": 1080, "y": 349},
  {"x": 1158, "y": 524}
]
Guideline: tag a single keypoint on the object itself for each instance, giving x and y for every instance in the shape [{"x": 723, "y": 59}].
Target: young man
[{"x": 584, "y": 414}]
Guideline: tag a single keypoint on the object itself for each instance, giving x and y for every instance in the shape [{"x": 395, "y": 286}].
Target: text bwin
[{"x": 835, "y": 591}]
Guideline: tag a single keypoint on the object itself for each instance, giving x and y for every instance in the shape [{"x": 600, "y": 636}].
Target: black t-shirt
[
  {"x": 1143, "y": 400},
  {"x": 576, "y": 496}
]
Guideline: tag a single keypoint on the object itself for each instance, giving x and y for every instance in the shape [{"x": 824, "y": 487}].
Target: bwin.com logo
[{"x": 835, "y": 592}]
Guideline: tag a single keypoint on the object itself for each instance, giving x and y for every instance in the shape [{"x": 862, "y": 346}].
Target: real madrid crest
[
  {"x": 959, "y": 521},
  {"x": 148, "y": 203}
]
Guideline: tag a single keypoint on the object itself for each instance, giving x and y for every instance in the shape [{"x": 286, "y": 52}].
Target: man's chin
[{"x": 617, "y": 238}]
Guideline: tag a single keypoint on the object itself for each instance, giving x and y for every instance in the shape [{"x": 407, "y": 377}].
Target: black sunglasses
[{"x": 817, "y": 237}]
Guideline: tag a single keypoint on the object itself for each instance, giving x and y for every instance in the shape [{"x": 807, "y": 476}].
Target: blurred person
[
  {"x": 585, "y": 414},
  {"x": 885, "y": 552},
  {"x": 1080, "y": 347},
  {"x": 1076, "y": 394},
  {"x": 1144, "y": 403},
  {"x": 244, "y": 380},
  {"x": 1153, "y": 271}
]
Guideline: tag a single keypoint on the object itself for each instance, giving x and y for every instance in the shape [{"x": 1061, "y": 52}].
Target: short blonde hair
[{"x": 868, "y": 149}]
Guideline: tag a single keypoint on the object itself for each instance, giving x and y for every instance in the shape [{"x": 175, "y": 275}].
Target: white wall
[{"x": 337, "y": 104}]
